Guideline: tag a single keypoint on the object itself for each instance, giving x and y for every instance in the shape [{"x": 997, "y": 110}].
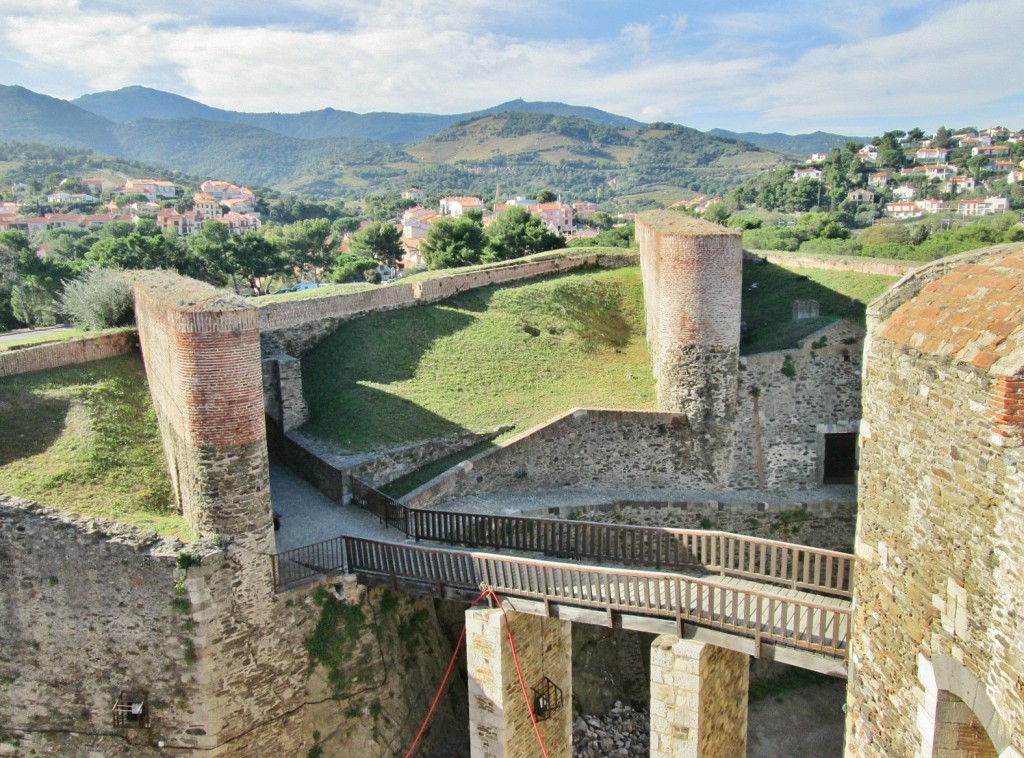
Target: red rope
[
  {"x": 444, "y": 684},
  {"x": 519, "y": 672},
  {"x": 451, "y": 664}
]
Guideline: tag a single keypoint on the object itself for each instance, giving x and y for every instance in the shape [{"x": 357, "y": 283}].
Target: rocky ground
[
  {"x": 805, "y": 722},
  {"x": 620, "y": 733}
]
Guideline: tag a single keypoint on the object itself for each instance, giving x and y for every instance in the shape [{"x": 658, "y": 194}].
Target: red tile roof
[{"x": 974, "y": 314}]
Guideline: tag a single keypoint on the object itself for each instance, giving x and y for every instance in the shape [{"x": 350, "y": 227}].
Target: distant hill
[
  {"x": 133, "y": 103},
  {"x": 507, "y": 151},
  {"x": 793, "y": 144},
  {"x": 26, "y": 116}
]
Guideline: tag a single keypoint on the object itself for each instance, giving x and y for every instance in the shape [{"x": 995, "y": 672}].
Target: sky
[{"x": 793, "y": 66}]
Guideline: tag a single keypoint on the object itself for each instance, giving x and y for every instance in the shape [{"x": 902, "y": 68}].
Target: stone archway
[{"x": 957, "y": 718}]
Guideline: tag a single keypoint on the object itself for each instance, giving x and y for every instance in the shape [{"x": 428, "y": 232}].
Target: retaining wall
[
  {"x": 862, "y": 265},
  {"x": 23, "y": 360},
  {"x": 297, "y": 325},
  {"x": 582, "y": 448}
]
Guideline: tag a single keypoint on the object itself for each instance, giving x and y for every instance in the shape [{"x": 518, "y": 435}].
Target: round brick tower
[{"x": 693, "y": 272}]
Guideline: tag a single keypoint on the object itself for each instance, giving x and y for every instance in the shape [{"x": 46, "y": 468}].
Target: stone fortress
[{"x": 215, "y": 660}]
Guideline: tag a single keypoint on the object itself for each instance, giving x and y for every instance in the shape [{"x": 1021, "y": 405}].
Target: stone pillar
[
  {"x": 499, "y": 722},
  {"x": 698, "y": 700}
]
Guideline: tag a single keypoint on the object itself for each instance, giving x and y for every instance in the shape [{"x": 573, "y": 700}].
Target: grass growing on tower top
[
  {"x": 84, "y": 439},
  {"x": 498, "y": 355}
]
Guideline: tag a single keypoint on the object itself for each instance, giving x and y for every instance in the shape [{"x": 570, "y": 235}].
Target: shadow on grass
[
  {"x": 343, "y": 419},
  {"x": 29, "y": 424},
  {"x": 768, "y": 295}
]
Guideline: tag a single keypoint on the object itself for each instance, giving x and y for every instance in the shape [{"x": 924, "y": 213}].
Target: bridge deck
[{"x": 763, "y": 598}]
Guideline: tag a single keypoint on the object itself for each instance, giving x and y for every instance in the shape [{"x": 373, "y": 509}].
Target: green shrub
[{"x": 99, "y": 299}]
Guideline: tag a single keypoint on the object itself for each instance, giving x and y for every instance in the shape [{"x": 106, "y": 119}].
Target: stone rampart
[
  {"x": 788, "y": 400},
  {"x": 940, "y": 538},
  {"x": 89, "y": 610},
  {"x": 582, "y": 448},
  {"x": 297, "y": 325},
  {"x": 834, "y": 263},
  {"x": 24, "y": 360}
]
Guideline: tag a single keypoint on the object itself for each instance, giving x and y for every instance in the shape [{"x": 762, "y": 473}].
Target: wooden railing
[
  {"x": 713, "y": 552},
  {"x": 806, "y": 625}
]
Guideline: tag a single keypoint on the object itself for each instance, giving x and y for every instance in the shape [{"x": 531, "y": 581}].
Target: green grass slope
[
  {"x": 517, "y": 355},
  {"x": 84, "y": 439},
  {"x": 768, "y": 307},
  {"x": 521, "y": 355}
]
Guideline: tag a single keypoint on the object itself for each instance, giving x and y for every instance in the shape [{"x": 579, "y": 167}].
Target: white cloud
[
  {"x": 425, "y": 55},
  {"x": 639, "y": 35}
]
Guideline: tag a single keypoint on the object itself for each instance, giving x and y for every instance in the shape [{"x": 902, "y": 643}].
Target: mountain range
[{"x": 519, "y": 146}]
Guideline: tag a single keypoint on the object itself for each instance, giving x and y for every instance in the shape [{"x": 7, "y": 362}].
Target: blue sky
[{"x": 792, "y": 66}]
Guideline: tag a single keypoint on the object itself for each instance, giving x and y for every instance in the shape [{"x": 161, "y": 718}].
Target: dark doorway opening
[{"x": 840, "y": 458}]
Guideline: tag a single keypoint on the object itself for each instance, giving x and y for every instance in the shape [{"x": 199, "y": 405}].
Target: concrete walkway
[{"x": 307, "y": 516}]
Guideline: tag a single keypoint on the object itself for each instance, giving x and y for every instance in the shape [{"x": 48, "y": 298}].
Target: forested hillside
[{"x": 515, "y": 151}]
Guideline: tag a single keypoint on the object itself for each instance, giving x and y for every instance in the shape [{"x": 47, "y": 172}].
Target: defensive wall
[
  {"x": 296, "y": 325},
  {"x": 834, "y": 262},
  {"x": 23, "y": 360},
  {"x": 726, "y": 421},
  {"x": 937, "y": 649}
]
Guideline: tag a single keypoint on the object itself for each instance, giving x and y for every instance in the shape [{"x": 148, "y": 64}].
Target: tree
[
  {"x": 453, "y": 242},
  {"x": 254, "y": 258},
  {"x": 516, "y": 233},
  {"x": 717, "y": 213},
  {"x": 350, "y": 267},
  {"x": 31, "y": 282},
  {"x": 380, "y": 241},
  {"x": 309, "y": 245},
  {"x": 546, "y": 196}
]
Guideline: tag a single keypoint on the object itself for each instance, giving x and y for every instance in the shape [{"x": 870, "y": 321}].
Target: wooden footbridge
[{"x": 767, "y": 598}]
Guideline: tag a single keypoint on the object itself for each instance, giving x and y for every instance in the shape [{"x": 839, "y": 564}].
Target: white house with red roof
[
  {"x": 806, "y": 173},
  {"x": 903, "y": 209},
  {"x": 456, "y": 206},
  {"x": 985, "y": 207}
]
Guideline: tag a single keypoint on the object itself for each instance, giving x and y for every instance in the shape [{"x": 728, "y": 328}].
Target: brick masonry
[
  {"x": 499, "y": 721},
  {"x": 692, "y": 273},
  {"x": 52, "y": 355},
  {"x": 941, "y": 534},
  {"x": 698, "y": 700},
  {"x": 295, "y": 326},
  {"x": 201, "y": 350}
]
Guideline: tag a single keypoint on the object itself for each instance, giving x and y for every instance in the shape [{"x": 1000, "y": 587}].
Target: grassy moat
[
  {"x": 84, "y": 438},
  {"x": 522, "y": 354}
]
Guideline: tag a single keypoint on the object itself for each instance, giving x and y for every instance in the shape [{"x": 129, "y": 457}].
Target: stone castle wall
[
  {"x": 834, "y": 263},
  {"x": 582, "y": 448},
  {"x": 297, "y": 325},
  {"x": 788, "y": 400},
  {"x": 941, "y": 532},
  {"x": 92, "y": 607},
  {"x": 24, "y": 360},
  {"x": 89, "y": 609}
]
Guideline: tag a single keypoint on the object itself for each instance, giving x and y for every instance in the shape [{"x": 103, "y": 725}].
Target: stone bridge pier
[{"x": 698, "y": 690}]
